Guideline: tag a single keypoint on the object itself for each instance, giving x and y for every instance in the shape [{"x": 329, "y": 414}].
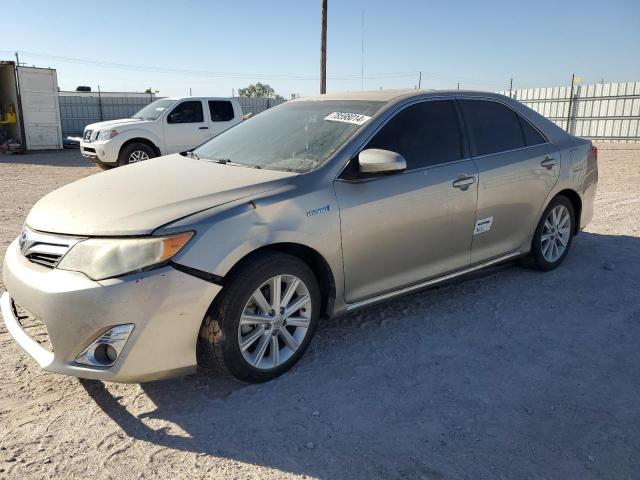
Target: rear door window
[
  {"x": 425, "y": 134},
  {"x": 221, "y": 110},
  {"x": 531, "y": 135},
  {"x": 493, "y": 126},
  {"x": 187, "y": 112}
]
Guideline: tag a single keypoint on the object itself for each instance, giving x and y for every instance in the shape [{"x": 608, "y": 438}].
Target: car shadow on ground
[
  {"x": 69, "y": 157},
  {"x": 501, "y": 371}
]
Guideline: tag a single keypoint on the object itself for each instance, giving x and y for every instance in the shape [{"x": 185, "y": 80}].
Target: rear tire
[
  {"x": 228, "y": 347},
  {"x": 553, "y": 236},
  {"x": 135, "y": 152}
]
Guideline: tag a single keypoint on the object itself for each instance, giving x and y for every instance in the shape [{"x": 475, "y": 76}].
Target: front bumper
[
  {"x": 166, "y": 306},
  {"x": 103, "y": 151}
]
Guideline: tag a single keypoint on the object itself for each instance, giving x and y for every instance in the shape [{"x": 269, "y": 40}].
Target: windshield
[
  {"x": 295, "y": 136},
  {"x": 154, "y": 109}
]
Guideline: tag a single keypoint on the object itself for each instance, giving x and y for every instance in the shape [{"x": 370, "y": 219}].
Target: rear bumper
[{"x": 166, "y": 306}]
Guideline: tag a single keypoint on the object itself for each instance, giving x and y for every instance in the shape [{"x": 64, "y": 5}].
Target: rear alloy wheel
[
  {"x": 553, "y": 236},
  {"x": 263, "y": 320},
  {"x": 134, "y": 153},
  {"x": 556, "y": 232}
]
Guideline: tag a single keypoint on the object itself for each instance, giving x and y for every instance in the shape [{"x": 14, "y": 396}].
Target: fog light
[{"x": 104, "y": 351}]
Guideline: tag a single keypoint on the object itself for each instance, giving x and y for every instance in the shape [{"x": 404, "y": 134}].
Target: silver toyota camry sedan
[{"x": 230, "y": 256}]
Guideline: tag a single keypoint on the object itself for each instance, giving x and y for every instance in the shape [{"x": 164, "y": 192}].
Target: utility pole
[
  {"x": 458, "y": 85},
  {"x": 323, "y": 50},
  {"x": 511, "y": 88},
  {"x": 419, "y": 80}
]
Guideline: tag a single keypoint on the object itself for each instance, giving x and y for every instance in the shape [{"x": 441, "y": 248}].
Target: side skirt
[{"x": 429, "y": 283}]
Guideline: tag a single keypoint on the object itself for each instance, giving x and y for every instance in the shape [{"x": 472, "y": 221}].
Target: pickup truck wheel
[
  {"x": 134, "y": 153},
  {"x": 263, "y": 320}
]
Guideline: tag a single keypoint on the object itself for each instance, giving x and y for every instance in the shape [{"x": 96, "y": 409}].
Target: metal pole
[
  {"x": 23, "y": 133},
  {"x": 323, "y": 50},
  {"x": 458, "y": 85},
  {"x": 100, "y": 104},
  {"x": 511, "y": 88},
  {"x": 573, "y": 76},
  {"x": 419, "y": 80}
]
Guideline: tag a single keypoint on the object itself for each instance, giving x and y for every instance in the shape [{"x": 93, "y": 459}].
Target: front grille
[
  {"x": 87, "y": 136},
  {"x": 46, "y": 259},
  {"x": 32, "y": 326},
  {"x": 44, "y": 248}
]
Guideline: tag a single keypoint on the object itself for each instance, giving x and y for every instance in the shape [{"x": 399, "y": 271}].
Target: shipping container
[{"x": 29, "y": 107}]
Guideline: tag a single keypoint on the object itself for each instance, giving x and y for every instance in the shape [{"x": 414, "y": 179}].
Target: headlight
[
  {"x": 100, "y": 258},
  {"x": 107, "y": 135}
]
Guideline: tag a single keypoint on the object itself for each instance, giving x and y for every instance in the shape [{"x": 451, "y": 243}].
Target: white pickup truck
[{"x": 168, "y": 125}]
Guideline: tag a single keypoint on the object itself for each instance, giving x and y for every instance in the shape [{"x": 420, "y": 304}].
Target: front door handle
[
  {"x": 463, "y": 182},
  {"x": 203, "y": 128},
  {"x": 548, "y": 162}
]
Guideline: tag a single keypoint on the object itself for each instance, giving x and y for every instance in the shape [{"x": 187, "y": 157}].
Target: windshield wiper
[
  {"x": 227, "y": 161},
  {"x": 192, "y": 155}
]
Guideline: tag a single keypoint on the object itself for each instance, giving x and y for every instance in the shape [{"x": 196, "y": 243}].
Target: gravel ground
[{"x": 509, "y": 374}]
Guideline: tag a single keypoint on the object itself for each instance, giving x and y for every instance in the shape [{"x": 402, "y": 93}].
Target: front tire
[
  {"x": 135, "y": 152},
  {"x": 263, "y": 320},
  {"x": 553, "y": 236}
]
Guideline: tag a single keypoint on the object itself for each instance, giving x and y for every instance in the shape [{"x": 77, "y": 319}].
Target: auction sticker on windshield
[{"x": 354, "y": 118}]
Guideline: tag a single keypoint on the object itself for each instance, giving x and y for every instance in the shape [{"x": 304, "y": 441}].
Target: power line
[
  {"x": 208, "y": 73},
  {"x": 243, "y": 75}
]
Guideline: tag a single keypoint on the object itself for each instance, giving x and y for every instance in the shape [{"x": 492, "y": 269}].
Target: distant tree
[
  {"x": 83, "y": 88},
  {"x": 259, "y": 90}
]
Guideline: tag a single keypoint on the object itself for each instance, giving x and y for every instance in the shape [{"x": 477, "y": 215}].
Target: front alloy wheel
[
  {"x": 274, "y": 322},
  {"x": 138, "y": 156},
  {"x": 262, "y": 321}
]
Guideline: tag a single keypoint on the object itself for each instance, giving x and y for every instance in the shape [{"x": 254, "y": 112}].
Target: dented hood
[{"x": 137, "y": 199}]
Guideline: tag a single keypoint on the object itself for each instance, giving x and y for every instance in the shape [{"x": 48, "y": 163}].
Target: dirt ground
[{"x": 509, "y": 374}]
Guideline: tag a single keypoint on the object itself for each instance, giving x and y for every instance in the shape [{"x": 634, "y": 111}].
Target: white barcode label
[
  {"x": 343, "y": 117},
  {"x": 483, "y": 225}
]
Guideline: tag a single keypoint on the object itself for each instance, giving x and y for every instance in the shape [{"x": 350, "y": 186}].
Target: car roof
[
  {"x": 392, "y": 95},
  {"x": 195, "y": 98}
]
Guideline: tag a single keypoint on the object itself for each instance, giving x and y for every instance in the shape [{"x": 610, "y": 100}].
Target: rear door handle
[
  {"x": 548, "y": 162},
  {"x": 203, "y": 128},
  {"x": 463, "y": 182}
]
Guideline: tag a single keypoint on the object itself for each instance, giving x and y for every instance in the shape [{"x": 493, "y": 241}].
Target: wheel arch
[
  {"x": 576, "y": 202},
  {"x": 144, "y": 140},
  {"x": 312, "y": 258}
]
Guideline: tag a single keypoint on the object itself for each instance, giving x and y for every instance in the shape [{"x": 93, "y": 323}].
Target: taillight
[{"x": 594, "y": 151}]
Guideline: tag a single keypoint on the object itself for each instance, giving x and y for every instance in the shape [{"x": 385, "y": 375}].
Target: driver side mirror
[{"x": 375, "y": 160}]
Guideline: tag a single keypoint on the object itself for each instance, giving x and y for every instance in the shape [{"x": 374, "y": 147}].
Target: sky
[{"x": 216, "y": 47}]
